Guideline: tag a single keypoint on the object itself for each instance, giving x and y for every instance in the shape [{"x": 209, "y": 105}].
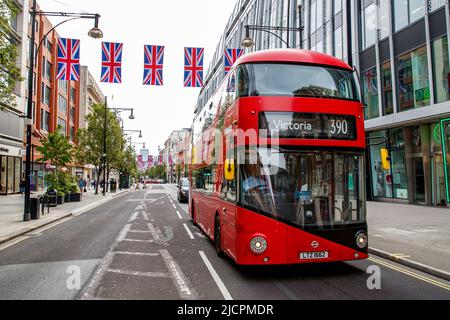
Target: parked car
[{"x": 183, "y": 190}]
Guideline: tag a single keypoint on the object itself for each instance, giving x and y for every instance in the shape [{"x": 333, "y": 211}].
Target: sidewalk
[
  {"x": 11, "y": 213},
  {"x": 416, "y": 236}
]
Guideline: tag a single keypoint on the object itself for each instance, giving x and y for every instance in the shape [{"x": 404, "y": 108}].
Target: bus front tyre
[{"x": 218, "y": 238}]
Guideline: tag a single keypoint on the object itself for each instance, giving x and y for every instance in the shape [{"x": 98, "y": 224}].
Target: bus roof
[{"x": 293, "y": 56}]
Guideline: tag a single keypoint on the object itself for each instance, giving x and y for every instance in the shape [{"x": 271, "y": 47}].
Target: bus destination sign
[{"x": 318, "y": 126}]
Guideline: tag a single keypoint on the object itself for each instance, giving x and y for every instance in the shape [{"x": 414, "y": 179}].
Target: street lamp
[
  {"x": 131, "y": 117},
  {"x": 134, "y": 131},
  {"x": 94, "y": 33},
  {"x": 248, "y": 41}
]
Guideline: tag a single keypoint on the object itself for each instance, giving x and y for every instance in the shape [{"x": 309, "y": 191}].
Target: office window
[
  {"x": 369, "y": 25},
  {"x": 62, "y": 124},
  {"x": 416, "y": 10},
  {"x": 72, "y": 134},
  {"x": 370, "y": 94},
  {"x": 338, "y": 45},
  {"x": 435, "y": 4},
  {"x": 62, "y": 104},
  {"x": 45, "y": 94},
  {"x": 400, "y": 14},
  {"x": 72, "y": 114},
  {"x": 441, "y": 69},
  {"x": 388, "y": 104},
  {"x": 72, "y": 94},
  {"x": 337, "y": 6},
  {"x": 45, "y": 116},
  {"x": 383, "y": 18},
  {"x": 407, "y": 12},
  {"x": 62, "y": 84},
  {"x": 414, "y": 89},
  {"x": 46, "y": 68}
]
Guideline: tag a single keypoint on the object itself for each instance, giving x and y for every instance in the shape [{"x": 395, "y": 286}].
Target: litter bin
[
  {"x": 113, "y": 186},
  {"x": 52, "y": 198},
  {"x": 35, "y": 208}
]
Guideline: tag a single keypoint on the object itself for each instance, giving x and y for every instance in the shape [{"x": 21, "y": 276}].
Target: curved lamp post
[
  {"x": 248, "y": 41},
  {"x": 95, "y": 33}
]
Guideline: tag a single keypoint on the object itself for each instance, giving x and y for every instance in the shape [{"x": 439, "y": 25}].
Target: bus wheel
[{"x": 218, "y": 237}]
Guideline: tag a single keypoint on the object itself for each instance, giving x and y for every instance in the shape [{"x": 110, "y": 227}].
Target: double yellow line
[{"x": 411, "y": 274}]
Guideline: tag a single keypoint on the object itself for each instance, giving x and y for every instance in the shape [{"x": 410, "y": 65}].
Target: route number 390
[{"x": 339, "y": 127}]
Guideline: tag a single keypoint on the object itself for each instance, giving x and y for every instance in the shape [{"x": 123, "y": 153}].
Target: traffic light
[{"x": 385, "y": 159}]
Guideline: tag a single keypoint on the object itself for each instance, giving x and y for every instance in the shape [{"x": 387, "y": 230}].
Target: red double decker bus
[{"x": 277, "y": 174}]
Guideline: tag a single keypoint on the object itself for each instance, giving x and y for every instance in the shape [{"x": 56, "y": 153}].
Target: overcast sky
[{"x": 175, "y": 24}]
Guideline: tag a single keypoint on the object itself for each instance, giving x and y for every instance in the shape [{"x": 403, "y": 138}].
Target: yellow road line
[{"x": 411, "y": 274}]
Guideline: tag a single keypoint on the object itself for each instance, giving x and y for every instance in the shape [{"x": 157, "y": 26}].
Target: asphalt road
[{"x": 144, "y": 246}]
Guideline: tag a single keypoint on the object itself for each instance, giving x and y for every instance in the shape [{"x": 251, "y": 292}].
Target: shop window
[
  {"x": 370, "y": 94},
  {"x": 398, "y": 163},
  {"x": 441, "y": 70},
  {"x": 381, "y": 178},
  {"x": 388, "y": 104},
  {"x": 413, "y": 80}
]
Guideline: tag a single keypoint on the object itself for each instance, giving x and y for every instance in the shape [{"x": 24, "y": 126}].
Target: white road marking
[
  {"x": 179, "y": 215},
  {"x": 188, "y": 231},
  {"x": 127, "y": 253},
  {"x": 216, "y": 277},
  {"x": 181, "y": 282},
  {"x": 123, "y": 233},
  {"x": 135, "y": 240},
  {"x": 174, "y": 206},
  {"x": 138, "y": 231},
  {"x": 140, "y": 273}
]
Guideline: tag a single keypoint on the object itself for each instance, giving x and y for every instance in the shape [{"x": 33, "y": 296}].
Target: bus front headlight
[
  {"x": 258, "y": 245},
  {"x": 362, "y": 240}
]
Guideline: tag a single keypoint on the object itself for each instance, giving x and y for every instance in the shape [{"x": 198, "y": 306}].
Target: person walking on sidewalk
[
  {"x": 22, "y": 186},
  {"x": 81, "y": 185}
]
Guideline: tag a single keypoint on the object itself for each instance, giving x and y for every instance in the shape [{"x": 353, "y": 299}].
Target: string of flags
[{"x": 68, "y": 61}]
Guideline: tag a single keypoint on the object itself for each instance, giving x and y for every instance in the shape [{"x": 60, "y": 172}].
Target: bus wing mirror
[
  {"x": 361, "y": 93},
  {"x": 229, "y": 170},
  {"x": 385, "y": 160}
]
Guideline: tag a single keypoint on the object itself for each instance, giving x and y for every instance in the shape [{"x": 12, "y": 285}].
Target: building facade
[
  {"x": 401, "y": 52},
  {"x": 171, "y": 153},
  {"x": 11, "y": 123},
  {"x": 56, "y": 103}
]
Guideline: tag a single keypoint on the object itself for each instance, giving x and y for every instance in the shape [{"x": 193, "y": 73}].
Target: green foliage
[
  {"x": 56, "y": 149},
  {"x": 90, "y": 140},
  {"x": 62, "y": 182},
  {"x": 127, "y": 162},
  {"x": 9, "y": 71},
  {"x": 157, "y": 172}
]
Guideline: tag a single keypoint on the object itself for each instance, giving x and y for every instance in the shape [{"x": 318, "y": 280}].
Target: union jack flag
[
  {"x": 68, "y": 59},
  {"x": 111, "y": 62},
  {"x": 193, "y": 67},
  {"x": 153, "y": 65},
  {"x": 230, "y": 56}
]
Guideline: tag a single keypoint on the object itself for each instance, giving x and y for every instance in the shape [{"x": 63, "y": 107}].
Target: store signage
[
  {"x": 9, "y": 151},
  {"x": 292, "y": 125}
]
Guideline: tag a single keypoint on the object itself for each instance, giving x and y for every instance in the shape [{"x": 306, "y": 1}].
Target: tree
[
  {"x": 90, "y": 141},
  {"x": 9, "y": 71},
  {"x": 56, "y": 149}
]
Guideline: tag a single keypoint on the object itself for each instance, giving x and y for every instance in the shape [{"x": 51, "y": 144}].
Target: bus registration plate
[{"x": 314, "y": 255}]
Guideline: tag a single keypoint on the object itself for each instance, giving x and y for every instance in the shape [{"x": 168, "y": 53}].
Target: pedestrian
[
  {"x": 81, "y": 184},
  {"x": 22, "y": 186}
]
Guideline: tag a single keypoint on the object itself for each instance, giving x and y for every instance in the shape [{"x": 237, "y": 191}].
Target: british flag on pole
[
  {"x": 111, "y": 62},
  {"x": 68, "y": 59},
  {"x": 193, "y": 67},
  {"x": 230, "y": 56},
  {"x": 153, "y": 65}
]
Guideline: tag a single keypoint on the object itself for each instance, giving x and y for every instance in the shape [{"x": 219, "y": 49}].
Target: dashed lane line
[
  {"x": 223, "y": 289},
  {"x": 140, "y": 273},
  {"x": 189, "y": 232},
  {"x": 179, "y": 215}
]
